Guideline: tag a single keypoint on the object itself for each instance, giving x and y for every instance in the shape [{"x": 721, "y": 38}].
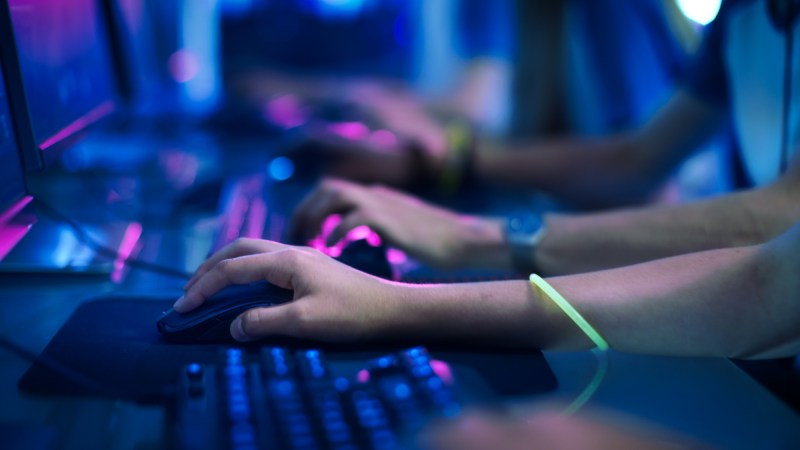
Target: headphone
[{"x": 784, "y": 14}]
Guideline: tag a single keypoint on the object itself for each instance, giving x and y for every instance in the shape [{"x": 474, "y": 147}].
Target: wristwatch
[{"x": 523, "y": 233}]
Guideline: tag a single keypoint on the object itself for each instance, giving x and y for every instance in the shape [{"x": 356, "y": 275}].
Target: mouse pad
[{"x": 112, "y": 345}]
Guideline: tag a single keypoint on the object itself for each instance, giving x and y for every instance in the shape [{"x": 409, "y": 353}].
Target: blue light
[
  {"x": 402, "y": 391},
  {"x": 281, "y": 168},
  {"x": 700, "y": 11}
]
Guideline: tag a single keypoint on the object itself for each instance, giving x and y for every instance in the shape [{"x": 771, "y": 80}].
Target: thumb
[{"x": 257, "y": 323}]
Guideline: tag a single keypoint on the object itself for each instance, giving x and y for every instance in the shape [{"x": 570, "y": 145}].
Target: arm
[
  {"x": 729, "y": 302},
  {"x": 597, "y": 241},
  {"x": 571, "y": 244},
  {"x": 606, "y": 171}
]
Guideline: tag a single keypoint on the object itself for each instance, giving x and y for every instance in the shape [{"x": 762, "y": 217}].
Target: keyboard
[{"x": 291, "y": 399}]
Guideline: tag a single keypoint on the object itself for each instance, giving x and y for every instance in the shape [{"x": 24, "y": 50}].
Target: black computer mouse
[
  {"x": 367, "y": 258},
  {"x": 212, "y": 320}
]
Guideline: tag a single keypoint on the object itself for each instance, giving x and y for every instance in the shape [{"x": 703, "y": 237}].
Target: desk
[{"x": 709, "y": 399}]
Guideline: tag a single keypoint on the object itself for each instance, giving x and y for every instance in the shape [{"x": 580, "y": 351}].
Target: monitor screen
[
  {"x": 12, "y": 187},
  {"x": 63, "y": 55}
]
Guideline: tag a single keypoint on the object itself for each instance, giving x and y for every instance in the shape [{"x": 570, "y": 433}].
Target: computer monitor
[{"x": 58, "y": 64}]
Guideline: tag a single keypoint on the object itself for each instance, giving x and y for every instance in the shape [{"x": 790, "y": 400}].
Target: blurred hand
[
  {"x": 430, "y": 234},
  {"x": 332, "y": 301},
  {"x": 548, "y": 429}
]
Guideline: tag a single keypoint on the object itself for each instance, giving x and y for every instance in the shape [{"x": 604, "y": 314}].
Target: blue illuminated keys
[{"x": 281, "y": 398}]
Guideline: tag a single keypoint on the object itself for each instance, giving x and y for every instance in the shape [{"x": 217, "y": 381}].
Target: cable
[{"x": 102, "y": 250}]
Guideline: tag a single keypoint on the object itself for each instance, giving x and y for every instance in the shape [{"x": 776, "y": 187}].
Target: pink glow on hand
[
  {"x": 352, "y": 131},
  {"x": 126, "y": 248},
  {"x": 330, "y": 223},
  {"x": 285, "y": 111},
  {"x": 396, "y": 256},
  {"x": 383, "y": 140},
  {"x": 183, "y": 65},
  {"x": 443, "y": 370}
]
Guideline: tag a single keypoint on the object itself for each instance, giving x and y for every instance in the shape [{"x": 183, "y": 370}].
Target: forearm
[
  {"x": 716, "y": 303},
  {"x": 504, "y": 313},
  {"x": 599, "y": 241},
  {"x": 605, "y": 172}
]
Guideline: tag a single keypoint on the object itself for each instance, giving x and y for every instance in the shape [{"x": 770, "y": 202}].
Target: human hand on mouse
[
  {"x": 332, "y": 301},
  {"x": 431, "y": 234}
]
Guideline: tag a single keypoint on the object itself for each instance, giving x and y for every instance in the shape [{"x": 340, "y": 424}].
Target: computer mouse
[
  {"x": 367, "y": 258},
  {"x": 211, "y": 321}
]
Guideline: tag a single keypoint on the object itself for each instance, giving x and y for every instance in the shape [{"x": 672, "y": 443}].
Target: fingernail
[
  {"x": 237, "y": 330},
  {"x": 179, "y": 304}
]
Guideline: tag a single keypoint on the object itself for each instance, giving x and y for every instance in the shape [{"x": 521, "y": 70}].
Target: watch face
[{"x": 523, "y": 225}]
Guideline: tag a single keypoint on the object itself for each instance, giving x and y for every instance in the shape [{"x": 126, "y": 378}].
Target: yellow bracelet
[
  {"x": 544, "y": 289},
  {"x": 459, "y": 143}
]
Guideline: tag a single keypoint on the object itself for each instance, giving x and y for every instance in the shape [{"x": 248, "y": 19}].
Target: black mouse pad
[{"x": 112, "y": 347}]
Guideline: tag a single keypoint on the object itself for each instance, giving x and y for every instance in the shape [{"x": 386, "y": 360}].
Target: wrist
[{"x": 482, "y": 243}]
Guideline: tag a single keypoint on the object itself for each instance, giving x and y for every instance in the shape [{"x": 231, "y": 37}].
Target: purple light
[
  {"x": 183, "y": 65},
  {"x": 12, "y": 233},
  {"x": 285, "y": 111},
  {"x": 443, "y": 370},
  {"x": 396, "y": 256},
  {"x": 352, "y": 131},
  {"x": 82, "y": 123},
  {"x": 126, "y": 248},
  {"x": 384, "y": 140}
]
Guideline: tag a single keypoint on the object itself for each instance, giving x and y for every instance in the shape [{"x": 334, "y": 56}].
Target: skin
[
  {"x": 608, "y": 171},
  {"x": 637, "y": 309},
  {"x": 571, "y": 243},
  {"x": 546, "y": 428}
]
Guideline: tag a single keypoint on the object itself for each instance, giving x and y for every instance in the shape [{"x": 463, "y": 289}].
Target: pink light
[
  {"x": 443, "y": 370},
  {"x": 352, "y": 131},
  {"x": 126, "y": 248},
  {"x": 183, "y": 65},
  {"x": 11, "y": 212},
  {"x": 383, "y": 140},
  {"x": 358, "y": 233},
  {"x": 81, "y": 123},
  {"x": 254, "y": 227},
  {"x": 329, "y": 224},
  {"x": 285, "y": 111},
  {"x": 335, "y": 251},
  {"x": 396, "y": 256},
  {"x": 180, "y": 167},
  {"x": 363, "y": 376},
  {"x": 12, "y": 233}
]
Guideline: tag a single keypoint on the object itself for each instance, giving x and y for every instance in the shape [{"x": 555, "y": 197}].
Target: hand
[
  {"x": 332, "y": 302},
  {"x": 433, "y": 235},
  {"x": 545, "y": 429},
  {"x": 353, "y": 151}
]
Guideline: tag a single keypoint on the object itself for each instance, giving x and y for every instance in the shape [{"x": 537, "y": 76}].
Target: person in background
[{"x": 742, "y": 87}]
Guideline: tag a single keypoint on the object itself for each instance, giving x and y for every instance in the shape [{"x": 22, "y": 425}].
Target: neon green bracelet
[{"x": 544, "y": 289}]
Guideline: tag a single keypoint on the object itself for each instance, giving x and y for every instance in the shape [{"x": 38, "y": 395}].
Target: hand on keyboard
[{"x": 430, "y": 234}]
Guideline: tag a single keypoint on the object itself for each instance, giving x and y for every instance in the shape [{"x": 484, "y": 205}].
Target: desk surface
[
  {"x": 708, "y": 399},
  {"x": 705, "y": 398}
]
